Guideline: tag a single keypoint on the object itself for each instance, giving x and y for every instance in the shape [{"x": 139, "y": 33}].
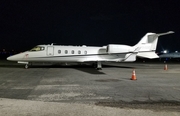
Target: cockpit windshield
[{"x": 37, "y": 48}]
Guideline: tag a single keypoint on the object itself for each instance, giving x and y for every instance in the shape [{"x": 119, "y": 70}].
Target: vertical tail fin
[{"x": 148, "y": 45}]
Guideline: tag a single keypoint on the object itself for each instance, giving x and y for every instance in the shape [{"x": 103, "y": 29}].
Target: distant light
[
  {"x": 165, "y": 51},
  {"x": 176, "y": 51}
]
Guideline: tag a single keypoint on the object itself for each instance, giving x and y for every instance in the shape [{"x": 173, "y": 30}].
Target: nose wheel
[{"x": 26, "y": 66}]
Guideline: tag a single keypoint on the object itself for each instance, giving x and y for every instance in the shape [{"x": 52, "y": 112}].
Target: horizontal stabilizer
[{"x": 150, "y": 55}]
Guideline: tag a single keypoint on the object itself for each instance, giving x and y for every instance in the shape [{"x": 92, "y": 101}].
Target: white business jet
[{"x": 113, "y": 52}]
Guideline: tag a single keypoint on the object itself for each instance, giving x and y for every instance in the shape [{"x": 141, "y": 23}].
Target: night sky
[{"x": 25, "y": 24}]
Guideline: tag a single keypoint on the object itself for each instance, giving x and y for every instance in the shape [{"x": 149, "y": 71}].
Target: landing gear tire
[
  {"x": 26, "y": 66},
  {"x": 98, "y": 68}
]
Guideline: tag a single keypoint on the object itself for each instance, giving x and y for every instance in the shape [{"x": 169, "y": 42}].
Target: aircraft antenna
[{"x": 52, "y": 44}]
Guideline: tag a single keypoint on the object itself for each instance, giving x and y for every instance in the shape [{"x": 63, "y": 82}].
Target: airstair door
[{"x": 50, "y": 51}]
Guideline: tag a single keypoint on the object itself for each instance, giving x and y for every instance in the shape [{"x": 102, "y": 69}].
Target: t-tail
[{"x": 148, "y": 45}]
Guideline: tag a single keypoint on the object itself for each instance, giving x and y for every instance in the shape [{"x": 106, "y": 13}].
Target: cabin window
[
  {"x": 79, "y": 52},
  {"x": 66, "y": 51},
  {"x": 85, "y": 52},
  {"x": 59, "y": 51},
  {"x": 72, "y": 52},
  {"x": 38, "y": 48}
]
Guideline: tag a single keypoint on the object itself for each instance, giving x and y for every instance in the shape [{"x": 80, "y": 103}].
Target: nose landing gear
[{"x": 26, "y": 66}]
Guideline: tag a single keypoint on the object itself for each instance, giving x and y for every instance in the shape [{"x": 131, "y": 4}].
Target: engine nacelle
[{"x": 113, "y": 48}]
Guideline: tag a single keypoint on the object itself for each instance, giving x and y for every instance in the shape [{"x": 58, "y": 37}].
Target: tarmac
[{"x": 71, "y": 89}]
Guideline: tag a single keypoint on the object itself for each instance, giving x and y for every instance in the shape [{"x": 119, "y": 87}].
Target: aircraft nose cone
[
  {"x": 9, "y": 58},
  {"x": 16, "y": 57}
]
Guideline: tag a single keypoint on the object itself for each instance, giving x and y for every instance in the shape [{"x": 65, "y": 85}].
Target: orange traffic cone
[
  {"x": 133, "y": 75},
  {"x": 165, "y": 67}
]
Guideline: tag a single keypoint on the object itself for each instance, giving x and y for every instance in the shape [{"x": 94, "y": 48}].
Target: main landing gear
[{"x": 99, "y": 66}]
